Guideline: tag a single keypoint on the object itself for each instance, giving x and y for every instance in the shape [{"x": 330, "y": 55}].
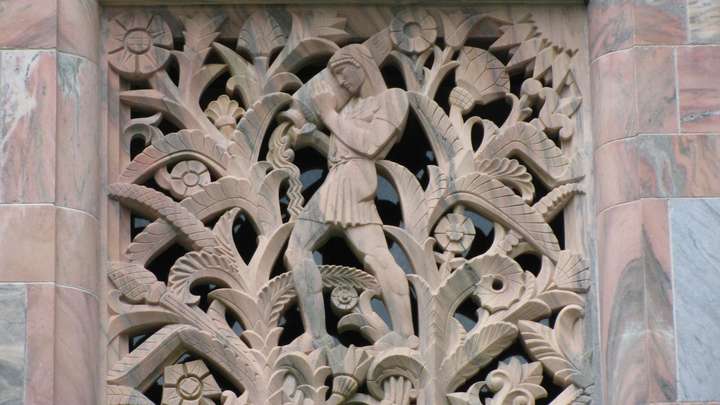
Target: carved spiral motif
[{"x": 344, "y": 298}]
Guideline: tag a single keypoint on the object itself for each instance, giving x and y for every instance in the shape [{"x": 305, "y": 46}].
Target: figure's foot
[
  {"x": 325, "y": 342},
  {"x": 394, "y": 339}
]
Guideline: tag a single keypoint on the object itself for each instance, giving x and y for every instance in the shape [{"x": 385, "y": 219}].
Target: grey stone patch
[
  {"x": 12, "y": 343},
  {"x": 694, "y": 225}
]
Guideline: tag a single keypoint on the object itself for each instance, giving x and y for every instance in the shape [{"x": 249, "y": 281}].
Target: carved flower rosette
[{"x": 220, "y": 134}]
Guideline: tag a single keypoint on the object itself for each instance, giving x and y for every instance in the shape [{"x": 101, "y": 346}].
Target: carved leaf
[
  {"x": 244, "y": 77},
  {"x": 205, "y": 264},
  {"x": 533, "y": 147},
  {"x": 142, "y": 366},
  {"x": 553, "y": 202},
  {"x": 498, "y": 202},
  {"x": 183, "y": 144},
  {"x": 544, "y": 345},
  {"x": 254, "y": 125},
  {"x": 511, "y": 173},
  {"x": 444, "y": 140},
  {"x": 335, "y": 276},
  {"x": 482, "y": 74},
  {"x": 261, "y": 34},
  {"x": 201, "y": 30},
  {"x": 478, "y": 350},
  {"x": 122, "y": 395},
  {"x": 155, "y": 204},
  {"x": 275, "y": 297},
  {"x": 133, "y": 281},
  {"x": 413, "y": 205},
  {"x": 572, "y": 272}
]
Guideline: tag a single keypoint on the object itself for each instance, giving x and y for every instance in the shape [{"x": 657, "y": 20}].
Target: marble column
[
  {"x": 656, "y": 118},
  {"x": 50, "y": 167}
]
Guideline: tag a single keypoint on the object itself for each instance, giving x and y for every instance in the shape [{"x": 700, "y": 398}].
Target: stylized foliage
[{"x": 210, "y": 291}]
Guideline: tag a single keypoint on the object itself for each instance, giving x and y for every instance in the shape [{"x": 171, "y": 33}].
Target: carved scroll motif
[{"x": 213, "y": 324}]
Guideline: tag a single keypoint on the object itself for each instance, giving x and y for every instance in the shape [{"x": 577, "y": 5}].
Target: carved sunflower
[
  {"x": 455, "y": 233},
  {"x": 139, "y": 45},
  {"x": 413, "y": 31},
  {"x": 189, "y": 384},
  {"x": 188, "y": 177},
  {"x": 501, "y": 285}
]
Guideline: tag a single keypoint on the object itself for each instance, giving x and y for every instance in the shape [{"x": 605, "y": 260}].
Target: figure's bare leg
[
  {"x": 306, "y": 276},
  {"x": 368, "y": 242}
]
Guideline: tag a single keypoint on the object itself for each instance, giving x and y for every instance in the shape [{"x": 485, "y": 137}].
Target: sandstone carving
[{"x": 214, "y": 324}]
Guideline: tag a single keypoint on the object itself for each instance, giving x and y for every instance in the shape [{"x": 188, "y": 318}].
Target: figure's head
[
  {"x": 349, "y": 76},
  {"x": 356, "y": 71}
]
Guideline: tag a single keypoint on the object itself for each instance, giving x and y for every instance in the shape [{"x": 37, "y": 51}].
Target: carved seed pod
[{"x": 343, "y": 299}]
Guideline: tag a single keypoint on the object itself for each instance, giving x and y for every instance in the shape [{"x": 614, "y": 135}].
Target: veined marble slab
[
  {"x": 12, "y": 343},
  {"x": 694, "y": 225}
]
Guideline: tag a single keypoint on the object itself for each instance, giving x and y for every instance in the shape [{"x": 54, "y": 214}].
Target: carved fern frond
[
  {"x": 478, "y": 350},
  {"x": 154, "y": 204}
]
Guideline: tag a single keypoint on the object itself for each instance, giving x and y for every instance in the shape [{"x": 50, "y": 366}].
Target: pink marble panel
[
  {"x": 699, "y": 88},
  {"x": 27, "y": 125},
  {"x": 622, "y": 305},
  {"x": 28, "y": 23},
  {"x": 613, "y": 97},
  {"x": 77, "y": 348},
  {"x": 78, "y": 135},
  {"x": 611, "y": 26},
  {"x": 27, "y": 243},
  {"x": 677, "y": 166},
  {"x": 40, "y": 363},
  {"x": 660, "y": 22},
  {"x": 658, "y": 301},
  {"x": 704, "y": 20},
  {"x": 617, "y": 182},
  {"x": 77, "y": 262},
  {"x": 78, "y": 28},
  {"x": 655, "y": 84}
]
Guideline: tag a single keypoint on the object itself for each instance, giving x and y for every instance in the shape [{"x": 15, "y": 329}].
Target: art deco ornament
[{"x": 393, "y": 333}]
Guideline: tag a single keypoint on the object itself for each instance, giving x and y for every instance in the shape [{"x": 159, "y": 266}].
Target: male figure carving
[{"x": 363, "y": 131}]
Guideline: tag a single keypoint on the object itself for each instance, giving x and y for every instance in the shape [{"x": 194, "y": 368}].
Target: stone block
[
  {"x": 660, "y": 22},
  {"x": 699, "y": 88},
  {"x": 78, "y": 135},
  {"x": 27, "y": 243},
  {"x": 695, "y": 257},
  {"x": 28, "y": 24},
  {"x": 28, "y": 82},
  {"x": 12, "y": 343}
]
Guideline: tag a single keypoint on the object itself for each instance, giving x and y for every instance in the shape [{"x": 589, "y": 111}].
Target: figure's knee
[
  {"x": 295, "y": 256},
  {"x": 388, "y": 273}
]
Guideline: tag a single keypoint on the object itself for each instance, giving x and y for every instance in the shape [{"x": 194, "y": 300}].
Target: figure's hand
[{"x": 324, "y": 99}]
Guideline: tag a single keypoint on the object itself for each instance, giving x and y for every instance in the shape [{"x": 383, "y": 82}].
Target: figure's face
[{"x": 349, "y": 76}]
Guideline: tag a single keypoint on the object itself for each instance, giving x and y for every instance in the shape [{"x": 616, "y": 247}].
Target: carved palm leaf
[{"x": 498, "y": 202}]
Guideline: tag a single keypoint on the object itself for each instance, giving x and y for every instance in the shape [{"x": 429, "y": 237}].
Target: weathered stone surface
[
  {"x": 12, "y": 343},
  {"x": 695, "y": 248}
]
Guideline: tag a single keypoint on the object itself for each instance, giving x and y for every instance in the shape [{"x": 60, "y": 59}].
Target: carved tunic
[{"x": 346, "y": 198}]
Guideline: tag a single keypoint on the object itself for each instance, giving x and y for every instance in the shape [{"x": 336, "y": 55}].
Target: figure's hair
[{"x": 360, "y": 56}]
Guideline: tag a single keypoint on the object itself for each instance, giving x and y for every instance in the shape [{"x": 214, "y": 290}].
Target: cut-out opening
[
  {"x": 413, "y": 150},
  {"x": 245, "y": 237},
  {"x": 466, "y": 313},
  {"x": 161, "y": 264},
  {"x": 484, "y": 234},
  {"x": 387, "y": 201}
]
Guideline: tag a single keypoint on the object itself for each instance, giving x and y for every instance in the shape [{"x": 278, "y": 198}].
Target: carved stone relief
[{"x": 214, "y": 140}]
